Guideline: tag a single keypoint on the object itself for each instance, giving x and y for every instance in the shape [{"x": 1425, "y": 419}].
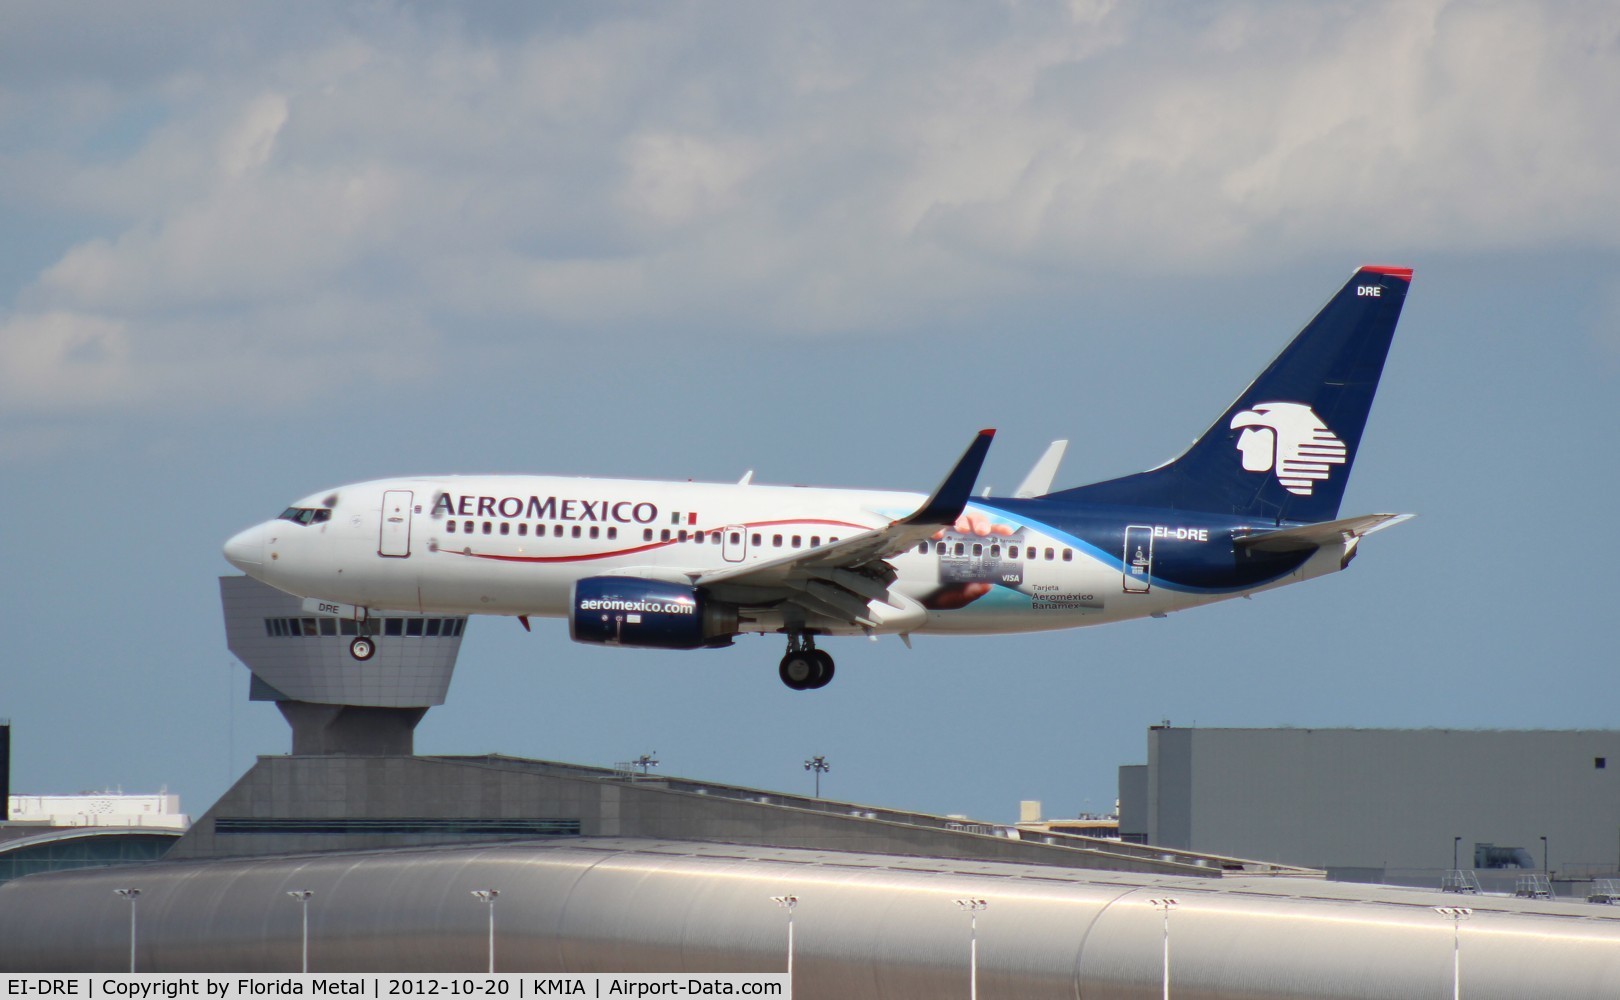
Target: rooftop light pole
[
  {"x": 973, "y": 906},
  {"x": 488, "y": 896},
  {"x": 132, "y": 895},
  {"x": 644, "y": 762},
  {"x": 818, "y": 764},
  {"x": 1167, "y": 904},
  {"x": 1457, "y": 914},
  {"x": 788, "y": 903},
  {"x": 302, "y": 895}
]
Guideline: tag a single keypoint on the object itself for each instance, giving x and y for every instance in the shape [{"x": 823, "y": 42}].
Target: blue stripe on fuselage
[{"x": 1194, "y": 553}]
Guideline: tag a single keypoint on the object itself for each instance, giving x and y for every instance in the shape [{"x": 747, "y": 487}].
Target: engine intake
[{"x": 626, "y": 611}]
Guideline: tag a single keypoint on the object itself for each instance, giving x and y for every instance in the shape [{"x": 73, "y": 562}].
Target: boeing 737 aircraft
[{"x": 1252, "y": 505}]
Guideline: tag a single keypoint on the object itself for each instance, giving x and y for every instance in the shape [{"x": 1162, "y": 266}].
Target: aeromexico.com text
[
  {"x": 653, "y": 607},
  {"x": 547, "y": 508}
]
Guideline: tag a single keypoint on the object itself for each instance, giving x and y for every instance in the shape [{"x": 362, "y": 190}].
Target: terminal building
[
  {"x": 1400, "y": 806},
  {"x": 610, "y": 870}
]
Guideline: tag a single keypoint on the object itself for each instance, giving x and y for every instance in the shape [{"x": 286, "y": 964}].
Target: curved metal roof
[{"x": 865, "y": 925}]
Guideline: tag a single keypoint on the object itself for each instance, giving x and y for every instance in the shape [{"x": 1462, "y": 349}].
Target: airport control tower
[{"x": 334, "y": 703}]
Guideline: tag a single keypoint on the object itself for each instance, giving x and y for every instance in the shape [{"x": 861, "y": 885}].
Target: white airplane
[{"x": 1253, "y": 504}]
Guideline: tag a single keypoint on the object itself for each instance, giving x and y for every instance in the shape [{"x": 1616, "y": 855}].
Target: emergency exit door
[
  {"x": 1138, "y": 559},
  {"x": 395, "y": 539}
]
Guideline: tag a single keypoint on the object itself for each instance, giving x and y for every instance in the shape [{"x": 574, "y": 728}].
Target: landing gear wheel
[
  {"x": 362, "y": 649},
  {"x": 800, "y": 670},
  {"x": 824, "y": 669}
]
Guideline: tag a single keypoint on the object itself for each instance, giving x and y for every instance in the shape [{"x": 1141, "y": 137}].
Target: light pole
[
  {"x": 818, "y": 764},
  {"x": 788, "y": 903},
  {"x": 1456, "y": 842},
  {"x": 1167, "y": 904},
  {"x": 1544, "y": 866},
  {"x": 644, "y": 762},
  {"x": 488, "y": 896},
  {"x": 973, "y": 906},
  {"x": 302, "y": 895},
  {"x": 1457, "y": 914},
  {"x": 132, "y": 895}
]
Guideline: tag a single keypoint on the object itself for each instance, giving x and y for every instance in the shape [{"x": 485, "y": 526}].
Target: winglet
[
  {"x": 1039, "y": 480},
  {"x": 949, "y": 500}
]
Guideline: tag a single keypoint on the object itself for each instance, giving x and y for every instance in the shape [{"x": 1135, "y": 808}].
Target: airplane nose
[{"x": 245, "y": 550}]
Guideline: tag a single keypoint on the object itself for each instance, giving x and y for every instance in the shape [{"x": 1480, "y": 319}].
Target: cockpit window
[{"x": 306, "y": 515}]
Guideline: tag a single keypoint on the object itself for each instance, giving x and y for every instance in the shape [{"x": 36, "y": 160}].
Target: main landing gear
[
  {"x": 363, "y": 648},
  {"x": 805, "y": 667}
]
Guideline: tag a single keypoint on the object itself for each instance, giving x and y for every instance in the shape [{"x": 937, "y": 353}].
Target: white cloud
[{"x": 842, "y": 170}]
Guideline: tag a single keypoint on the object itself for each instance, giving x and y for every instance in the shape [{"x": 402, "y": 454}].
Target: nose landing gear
[
  {"x": 805, "y": 668},
  {"x": 363, "y": 648}
]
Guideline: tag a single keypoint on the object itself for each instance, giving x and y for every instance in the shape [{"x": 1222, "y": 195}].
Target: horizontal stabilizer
[{"x": 1313, "y": 536}]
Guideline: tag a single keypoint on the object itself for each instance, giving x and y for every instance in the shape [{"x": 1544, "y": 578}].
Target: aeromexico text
[{"x": 547, "y": 508}]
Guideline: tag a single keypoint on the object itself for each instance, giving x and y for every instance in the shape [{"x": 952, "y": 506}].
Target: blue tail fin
[{"x": 1283, "y": 450}]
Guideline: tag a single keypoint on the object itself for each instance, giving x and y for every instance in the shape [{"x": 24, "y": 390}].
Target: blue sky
[{"x": 246, "y": 256}]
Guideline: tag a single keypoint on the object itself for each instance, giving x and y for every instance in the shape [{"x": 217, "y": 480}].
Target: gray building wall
[
  {"x": 1380, "y": 799},
  {"x": 1133, "y": 802}
]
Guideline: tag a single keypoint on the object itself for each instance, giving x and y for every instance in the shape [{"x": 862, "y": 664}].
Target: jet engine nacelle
[{"x": 626, "y": 611}]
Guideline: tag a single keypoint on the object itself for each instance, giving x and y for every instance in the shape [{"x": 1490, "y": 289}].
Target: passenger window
[
  {"x": 697, "y": 536},
  {"x": 1012, "y": 552},
  {"x": 431, "y": 629},
  {"x": 413, "y": 627},
  {"x": 646, "y": 534},
  {"x": 815, "y": 541},
  {"x": 796, "y": 541},
  {"x": 995, "y": 551},
  {"x": 466, "y": 527},
  {"x": 393, "y": 626},
  {"x": 1068, "y": 555},
  {"x": 556, "y": 531},
  {"x": 595, "y": 531},
  {"x": 961, "y": 549},
  {"x": 776, "y": 541},
  {"x": 523, "y": 529},
  {"x": 680, "y": 536},
  {"x": 575, "y": 532},
  {"x": 939, "y": 548},
  {"x": 922, "y": 548},
  {"x": 1048, "y": 555},
  {"x": 488, "y": 528},
  {"x": 328, "y": 626},
  {"x": 832, "y": 541},
  {"x": 663, "y": 536},
  {"x": 506, "y": 527},
  {"x": 755, "y": 540},
  {"x": 450, "y": 526},
  {"x": 613, "y": 533},
  {"x": 978, "y": 549},
  {"x": 714, "y": 536},
  {"x": 736, "y": 537}
]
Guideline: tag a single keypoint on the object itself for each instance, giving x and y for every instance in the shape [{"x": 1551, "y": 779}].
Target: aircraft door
[
  {"x": 395, "y": 537},
  {"x": 1138, "y": 559},
  {"x": 735, "y": 548}
]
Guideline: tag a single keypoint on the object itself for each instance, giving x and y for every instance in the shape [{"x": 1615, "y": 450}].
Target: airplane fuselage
[{"x": 516, "y": 545}]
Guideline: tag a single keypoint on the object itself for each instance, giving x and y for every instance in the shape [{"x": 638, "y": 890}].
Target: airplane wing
[
  {"x": 838, "y": 581},
  {"x": 1312, "y": 536}
]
